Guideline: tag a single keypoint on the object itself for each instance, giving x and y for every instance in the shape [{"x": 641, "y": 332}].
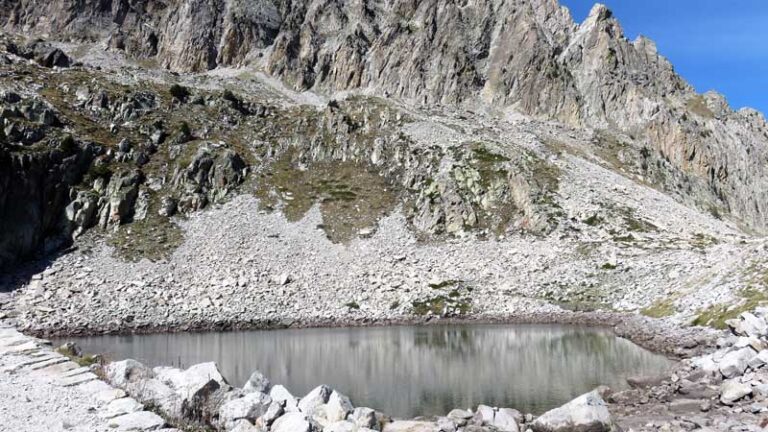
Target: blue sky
[{"x": 714, "y": 44}]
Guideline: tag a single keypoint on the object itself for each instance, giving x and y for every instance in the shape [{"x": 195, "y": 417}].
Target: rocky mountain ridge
[
  {"x": 608, "y": 187},
  {"x": 527, "y": 56}
]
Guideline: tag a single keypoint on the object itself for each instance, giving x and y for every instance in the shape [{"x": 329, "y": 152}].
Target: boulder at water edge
[
  {"x": 291, "y": 422},
  {"x": 249, "y": 407},
  {"x": 586, "y": 413},
  {"x": 314, "y": 399},
  {"x": 257, "y": 383}
]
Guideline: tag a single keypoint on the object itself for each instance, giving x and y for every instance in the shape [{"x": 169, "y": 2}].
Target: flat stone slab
[
  {"x": 14, "y": 340},
  {"x": 107, "y": 396},
  {"x": 93, "y": 387},
  {"x": 76, "y": 371},
  {"x": 8, "y": 332},
  {"x": 59, "y": 370},
  {"x": 20, "y": 349},
  {"x": 75, "y": 380},
  {"x": 37, "y": 358},
  {"x": 137, "y": 421},
  {"x": 120, "y": 407},
  {"x": 50, "y": 362}
]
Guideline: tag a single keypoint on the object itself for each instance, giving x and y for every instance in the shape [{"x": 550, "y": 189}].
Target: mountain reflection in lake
[{"x": 410, "y": 370}]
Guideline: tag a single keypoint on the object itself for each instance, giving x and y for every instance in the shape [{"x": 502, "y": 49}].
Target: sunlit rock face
[{"x": 524, "y": 55}]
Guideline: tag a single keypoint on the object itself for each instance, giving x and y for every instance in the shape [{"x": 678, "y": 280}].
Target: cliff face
[{"x": 527, "y": 55}]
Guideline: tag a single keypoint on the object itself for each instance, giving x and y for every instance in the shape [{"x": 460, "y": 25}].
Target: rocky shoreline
[{"x": 724, "y": 388}]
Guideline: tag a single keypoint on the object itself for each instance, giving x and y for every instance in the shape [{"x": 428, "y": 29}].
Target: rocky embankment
[
  {"x": 200, "y": 395},
  {"x": 724, "y": 390},
  {"x": 47, "y": 390}
]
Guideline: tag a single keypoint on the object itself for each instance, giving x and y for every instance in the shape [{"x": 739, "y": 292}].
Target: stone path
[{"x": 43, "y": 390}]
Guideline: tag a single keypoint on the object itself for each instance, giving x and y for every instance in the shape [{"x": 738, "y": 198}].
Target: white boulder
[
  {"x": 137, "y": 421},
  {"x": 735, "y": 362},
  {"x": 249, "y": 407},
  {"x": 281, "y": 394},
  {"x": 732, "y": 390},
  {"x": 587, "y": 412},
  {"x": 291, "y": 422},
  {"x": 314, "y": 399},
  {"x": 257, "y": 383}
]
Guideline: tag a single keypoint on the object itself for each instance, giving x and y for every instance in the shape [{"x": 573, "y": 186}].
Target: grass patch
[
  {"x": 352, "y": 196},
  {"x": 179, "y": 92},
  {"x": 83, "y": 360},
  {"x": 443, "y": 284},
  {"x": 716, "y": 315},
  {"x": 593, "y": 220},
  {"x": 698, "y": 106},
  {"x": 660, "y": 309},
  {"x": 482, "y": 154},
  {"x": 634, "y": 223},
  {"x": 442, "y": 306},
  {"x": 703, "y": 241},
  {"x": 154, "y": 238}
]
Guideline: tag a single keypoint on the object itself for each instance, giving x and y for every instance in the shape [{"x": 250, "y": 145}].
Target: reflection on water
[{"x": 412, "y": 370}]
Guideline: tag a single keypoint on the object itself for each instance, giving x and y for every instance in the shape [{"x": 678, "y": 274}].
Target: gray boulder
[
  {"x": 155, "y": 392},
  {"x": 587, "y": 413},
  {"x": 445, "y": 424},
  {"x": 484, "y": 415},
  {"x": 281, "y": 394},
  {"x": 507, "y": 420},
  {"x": 364, "y": 418},
  {"x": 732, "y": 390},
  {"x": 504, "y": 420},
  {"x": 735, "y": 362},
  {"x": 336, "y": 409},
  {"x": 245, "y": 426},
  {"x": 748, "y": 325},
  {"x": 291, "y": 422},
  {"x": 257, "y": 383},
  {"x": 249, "y": 407},
  {"x": 314, "y": 399},
  {"x": 274, "y": 411},
  {"x": 201, "y": 389},
  {"x": 116, "y": 207},
  {"x": 54, "y": 58},
  {"x": 124, "y": 372},
  {"x": 759, "y": 360},
  {"x": 460, "y": 416}
]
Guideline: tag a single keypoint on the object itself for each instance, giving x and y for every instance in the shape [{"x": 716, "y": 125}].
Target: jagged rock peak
[
  {"x": 599, "y": 12},
  {"x": 522, "y": 55}
]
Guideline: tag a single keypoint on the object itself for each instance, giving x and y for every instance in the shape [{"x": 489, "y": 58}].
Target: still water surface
[{"x": 410, "y": 370}]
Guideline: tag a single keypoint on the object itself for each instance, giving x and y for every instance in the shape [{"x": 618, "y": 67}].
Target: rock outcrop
[{"x": 524, "y": 55}]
